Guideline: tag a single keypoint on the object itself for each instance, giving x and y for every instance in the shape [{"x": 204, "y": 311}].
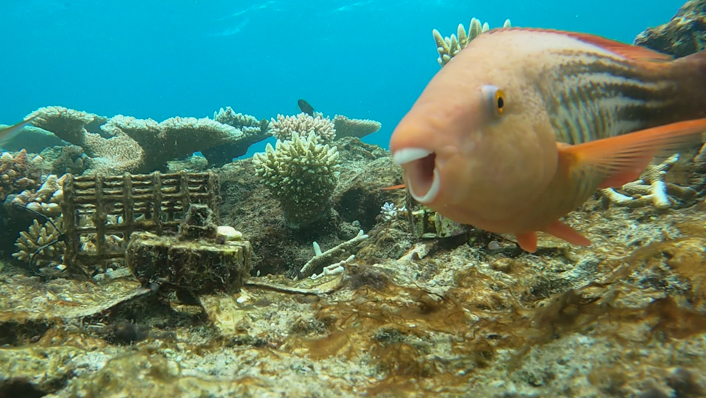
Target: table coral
[
  {"x": 346, "y": 127},
  {"x": 126, "y": 144},
  {"x": 255, "y": 130},
  {"x": 302, "y": 174}
]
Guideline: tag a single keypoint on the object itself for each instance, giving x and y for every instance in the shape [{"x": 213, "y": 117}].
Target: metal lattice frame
[{"x": 96, "y": 207}]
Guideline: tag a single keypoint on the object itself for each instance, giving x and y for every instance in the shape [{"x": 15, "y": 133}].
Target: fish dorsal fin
[{"x": 622, "y": 49}]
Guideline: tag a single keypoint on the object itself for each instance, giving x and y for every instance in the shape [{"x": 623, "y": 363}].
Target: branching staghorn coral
[
  {"x": 284, "y": 126},
  {"x": 35, "y": 238},
  {"x": 302, "y": 174},
  {"x": 448, "y": 47}
]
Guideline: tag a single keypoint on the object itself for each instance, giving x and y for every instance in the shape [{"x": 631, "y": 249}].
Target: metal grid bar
[{"x": 96, "y": 207}]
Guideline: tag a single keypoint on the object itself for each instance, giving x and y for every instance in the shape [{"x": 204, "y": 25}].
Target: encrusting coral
[
  {"x": 448, "y": 47},
  {"x": 302, "y": 174}
]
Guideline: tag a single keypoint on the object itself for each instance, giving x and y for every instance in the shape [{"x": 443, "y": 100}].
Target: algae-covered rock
[
  {"x": 685, "y": 34},
  {"x": 200, "y": 266}
]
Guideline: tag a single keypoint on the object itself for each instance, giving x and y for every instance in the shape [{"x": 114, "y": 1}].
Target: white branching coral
[
  {"x": 302, "y": 175},
  {"x": 448, "y": 47},
  {"x": 284, "y": 126}
]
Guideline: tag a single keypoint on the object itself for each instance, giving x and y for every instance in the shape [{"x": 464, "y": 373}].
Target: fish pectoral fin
[
  {"x": 565, "y": 232},
  {"x": 619, "y": 160},
  {"x": 527, "y": 242}
]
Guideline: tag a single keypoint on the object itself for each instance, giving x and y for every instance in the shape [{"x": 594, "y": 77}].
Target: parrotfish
[
  {"x": 524, "y": 125},
  {"x": 10, "y": 132}
]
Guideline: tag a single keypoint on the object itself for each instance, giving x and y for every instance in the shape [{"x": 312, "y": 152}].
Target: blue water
[{"x": 158, "y": 59}]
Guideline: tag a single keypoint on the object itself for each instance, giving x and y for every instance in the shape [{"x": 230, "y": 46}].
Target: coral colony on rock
[{"x": 132, "y": 266}]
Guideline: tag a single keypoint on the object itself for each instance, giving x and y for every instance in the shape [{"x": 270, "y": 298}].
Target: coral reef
[
  {"x": 64, "y": 159},
  {"x": 284, "y": 127},
  {"x": 254, "y": 130},
  {"x": 302, "y": 174},
  {"x": 417, "y": 306},
  {"x": 404, "y": 317},
  {"x": 126, "y": 144},
  {"x": 448, "y": 47},
  {"x": 41, "y": 245},
  {"x": 45, "y": 200},
  {"x": 358, "y": 128},
  {"x": 18, "y": 172},
  {"x": 173, "y": 138},
  {"x": 685, "y": 34}
]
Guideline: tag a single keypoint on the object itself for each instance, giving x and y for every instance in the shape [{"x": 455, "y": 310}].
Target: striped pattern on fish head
[{"x": 478, "y": 144}]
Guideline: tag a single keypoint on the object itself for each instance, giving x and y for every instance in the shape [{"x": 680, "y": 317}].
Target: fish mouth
[{"x": 423, "y": 178}]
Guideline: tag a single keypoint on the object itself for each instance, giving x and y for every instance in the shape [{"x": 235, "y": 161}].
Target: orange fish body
[{"x": 524, "y": 125}]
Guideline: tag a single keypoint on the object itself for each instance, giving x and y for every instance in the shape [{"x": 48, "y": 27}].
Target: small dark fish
[
  {"x": 305, "y": 107},
  {"x": 8, "y": 133}
]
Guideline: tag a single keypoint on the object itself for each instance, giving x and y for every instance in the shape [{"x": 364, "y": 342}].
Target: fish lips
[{"x": 421, "y": 174}]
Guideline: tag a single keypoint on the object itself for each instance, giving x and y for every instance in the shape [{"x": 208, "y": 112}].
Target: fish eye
[
  {"x": 496, "y": 98},
  {"x": 499, "y": 102}
]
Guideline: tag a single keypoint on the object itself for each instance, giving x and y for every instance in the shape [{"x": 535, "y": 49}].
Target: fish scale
[{"x": 601, "y": 97}]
